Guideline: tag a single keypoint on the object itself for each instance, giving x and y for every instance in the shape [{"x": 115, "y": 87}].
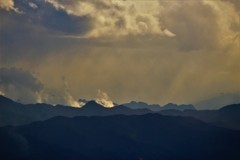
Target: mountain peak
[
  {"x": 4, "y": 99},
  {"x": 93, "y": 105},
  {"x": 231, "y": 107}
]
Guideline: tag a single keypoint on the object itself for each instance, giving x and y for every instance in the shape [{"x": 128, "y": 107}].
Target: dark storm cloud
[
  {"x": 34, "y": 31},
  {"x": 50, "y": 18}
]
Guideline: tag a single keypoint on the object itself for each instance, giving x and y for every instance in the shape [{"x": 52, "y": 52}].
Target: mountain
[
  {"x": 218, "y": 101},
  {"x": 156, "y": 107},
  {"x": 181, "y": 107},
  {"x": 142, "y": 105},
  {"x": 150, "y": 136},
  {"x": 121, "y": 109},
  {"x": 13, "y": 113},
  {"x": 230, "y": 108},
  {"x": 8, "y": 102},
  {"x": 228, "y": 116},
  {"x": 93, "y": 108}
]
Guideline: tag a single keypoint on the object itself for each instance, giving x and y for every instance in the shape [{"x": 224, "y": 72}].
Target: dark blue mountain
[
  {"x": 119, "y": 137},
  {"x": 218, "y": 101},
  {"x": 13, "y": 113},
  {"x": 4, "y": 101},
  {"x": 228, "y": 116}
]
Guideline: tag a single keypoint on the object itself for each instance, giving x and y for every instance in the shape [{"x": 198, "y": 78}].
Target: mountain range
[
  {"x": 14, "y": 113},
  {"x": 92, "y": 132},
  {"x": 227, "y": 116},
  {"x": 218, "y": 101},
  {"x": 120, "y": 137},
  {"x": 157, "y": 107}
]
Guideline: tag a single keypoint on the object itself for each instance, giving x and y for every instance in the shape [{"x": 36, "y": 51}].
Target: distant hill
[
  {"x": 13, "y": 113},
  {"x": 218, "y": 101},
  {"x": 181, "y": 107},
  {"x": 142, "y": 105},
  {"x": 150, "y": 136},
  {"x": 228, "y": 116},
  {"x": 156, "y": 107}
]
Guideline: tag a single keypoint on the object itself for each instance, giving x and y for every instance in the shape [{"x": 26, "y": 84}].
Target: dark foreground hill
[{"x": 150, "y": 136}]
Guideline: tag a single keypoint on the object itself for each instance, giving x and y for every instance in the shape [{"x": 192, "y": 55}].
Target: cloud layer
[
  {"x": 8, "y": 5},
  {"x": 155, "y": 51},
  {"x": 117, "y": 18}
]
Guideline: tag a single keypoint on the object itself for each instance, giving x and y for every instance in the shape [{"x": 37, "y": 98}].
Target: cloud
[
  {"x": 59, "y": 95},
  {"x": 71, "y": 101},
  {"x": 23, "y": 86},
  {"x": 8, "y": 5},
  {"x": 19, "y": 84},
  {"x": 235, "y": 3},
  {"x": 68, "y": 97},
  {"x": 117, "y": 18},
  {"x": 176, "y": 51},
  {"x": 33, "y": 5},
  {"x": 1, "y": 93},
  {"x": 200, "y": 24},
  {"x": 43, "y": 25},
  {"x": 104, "y": 99}
]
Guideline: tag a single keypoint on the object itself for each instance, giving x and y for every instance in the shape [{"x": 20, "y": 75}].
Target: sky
[{"x": 156, "y": 51}]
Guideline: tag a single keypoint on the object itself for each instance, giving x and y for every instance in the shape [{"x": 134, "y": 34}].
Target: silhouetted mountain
[
  {"x": 230, "y": 108},
  {"x": 228, "y": 116},
  {"x": 93, "y": 108},
  {"x": 150, "y": 136},
  {"x": 156, "y": 107},
  {"x": 12, "y": 113},
  {"x": 93, "y": 105},
  {"x": 4, "y": 101}
]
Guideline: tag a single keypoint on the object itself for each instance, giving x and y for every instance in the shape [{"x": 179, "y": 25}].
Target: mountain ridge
[
  {"x": 157, "y": 107},
  {"x": 149, "y": 136},
  {"x": 14, "y": 113}
]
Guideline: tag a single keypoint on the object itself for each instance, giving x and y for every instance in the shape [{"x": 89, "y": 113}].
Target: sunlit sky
[{"x": 156, "y": 51}]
